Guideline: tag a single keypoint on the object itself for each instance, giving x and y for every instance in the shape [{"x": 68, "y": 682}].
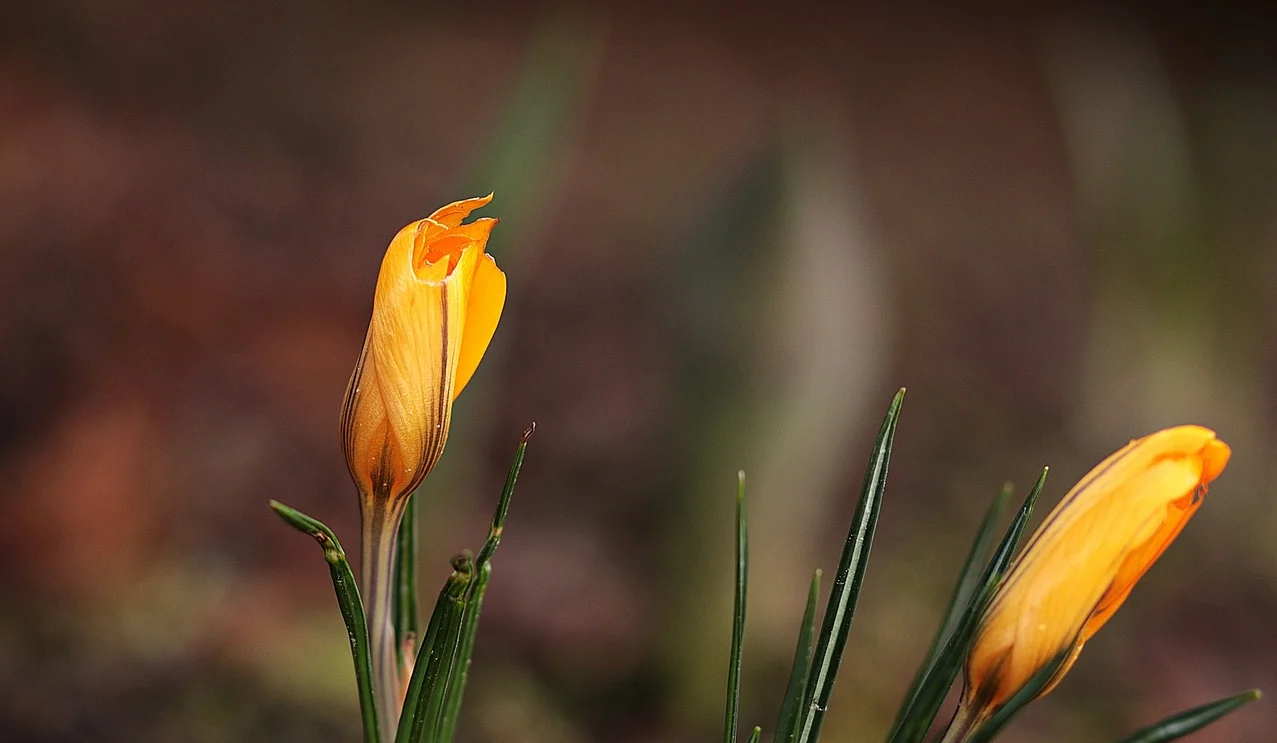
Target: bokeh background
[{"x": 731, "y": 232}]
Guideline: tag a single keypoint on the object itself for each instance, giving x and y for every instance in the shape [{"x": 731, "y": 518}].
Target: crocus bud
[
  {"x": 1083, "y": 561},
  {"x": 437, "y": 303}
]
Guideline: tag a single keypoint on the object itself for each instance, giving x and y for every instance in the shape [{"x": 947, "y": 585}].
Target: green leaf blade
[
  {"x": 919, "y": 713},
  {"x": 405, "y": 609},
  {"x": 1192, "y": 720},
  {"x": 473, "y": 604},
  {"x": 732, "y": 723},
  {"x": 503, "y": 503},
  {"x": 847, "y": 581},
  {"x": 968, "y": 582},
  {"x": 352, "y": 610},
  {"x": 796, "y": 688},
  {"x": 423, "y": 700}
]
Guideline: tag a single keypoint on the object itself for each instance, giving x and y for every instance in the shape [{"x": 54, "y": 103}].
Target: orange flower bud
[
  {"x": 437, "y": 303},
  {"x": 1083, "y": 561}
]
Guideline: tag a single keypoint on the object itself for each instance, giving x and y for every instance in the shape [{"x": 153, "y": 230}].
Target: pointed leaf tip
[
  {"x": 1181, "y": 724},
  {"x": 845, "y": 591}
]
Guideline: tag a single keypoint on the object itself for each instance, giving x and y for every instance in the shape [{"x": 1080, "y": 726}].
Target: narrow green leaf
[
  {"x": 469, "y": 626},
  {"x": 1188, "y": 721},
  {"x": 732, "y": 723},
  {"x": 984, "y": 732},
  {"x": 449, "y": 651},
  {"x": 753, "y": 737},
  {"x": 423, "y": 701},
  {"x": 920, "y": 712},
  {"x": 404, "y": 605},
  {"x": 1006, "y": 549},
  {"x": 796, "y": 689},
  {"x": 847, "y": 580},
  {"x": 968, "y": 580},
  {"x": 352, "y": 610},
  {"x": 503, "y": 504},
  {"x": 474, "y": 598}
]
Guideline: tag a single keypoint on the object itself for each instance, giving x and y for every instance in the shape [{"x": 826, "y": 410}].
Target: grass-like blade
[
  {"x": 465, "y": 651},
  {"x": 423, "y": 700},
  {"x": 352, "y": 610},
  {"x": 987, "y": 730},
  {"x": 847, "y": 580},
  {"x": 732, "y": 723},
  {"x": 796, "y": 689},
  {"x": 404, "y": 608},
  {"x": 429, "y": 728},
  {"x": 968, "y": 581},
  {"x": 921, "y": 711},
  {"x": 1007, "y": 547},
  {"x": 474, "y": 597},
  {"x": 503, "y": 504},
  {"x": 1177, "y": 726}
]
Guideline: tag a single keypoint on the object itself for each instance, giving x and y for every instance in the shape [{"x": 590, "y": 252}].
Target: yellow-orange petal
[
  {"x": 1083, "y": 561},
  {"x": 452, "y": 214},
  {"x": 486, "y": 300},
  {"x": 478, "y": 230}
]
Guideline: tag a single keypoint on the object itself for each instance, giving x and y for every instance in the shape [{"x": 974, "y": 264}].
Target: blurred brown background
[{"x": 731, "y": 232}]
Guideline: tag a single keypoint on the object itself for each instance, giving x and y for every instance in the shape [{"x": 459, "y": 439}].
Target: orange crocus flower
[
  {"x": 437, "y": 303},
  {"x": 1083, "y": 561}
]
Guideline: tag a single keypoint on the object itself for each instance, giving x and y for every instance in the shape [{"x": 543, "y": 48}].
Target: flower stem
[
  {"x": 380, "y": 534},
  {"x": 960, "y": 726}
]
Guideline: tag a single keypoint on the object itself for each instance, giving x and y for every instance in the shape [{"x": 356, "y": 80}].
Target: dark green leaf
[
  {"x": 732, "y": 723},
  {"x": 503, "y": 504},
  {"x": 1006, "y": 549},
  {"x": 847, "y": 580},
  {"x": 1177, "y": 726},
  {"x": 796, "y": 689},
  {"x": 968, "y": 580},
  {"x": 423, "y": 703},
  {"x": 405, "y": 609},
  {"x": 474, "y": 598},
  {"x": 920, "y": 712},
  {"x": 465, "y": 651},
  {"x": 352, "y": 610}
]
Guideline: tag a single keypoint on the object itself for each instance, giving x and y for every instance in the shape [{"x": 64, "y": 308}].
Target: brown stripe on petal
[
  {"x": 984, "y": 690},
  {"x": 381, "y": 475},
  {"x": 353, "y": 393},
  {"x": 443, "y": 401}
]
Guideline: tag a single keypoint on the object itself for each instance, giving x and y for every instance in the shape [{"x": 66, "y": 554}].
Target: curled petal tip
[{"x": 1215, "y": 456}]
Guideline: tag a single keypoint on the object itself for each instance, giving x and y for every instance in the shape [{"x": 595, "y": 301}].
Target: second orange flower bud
[{"x": 1083, "y": 561}]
